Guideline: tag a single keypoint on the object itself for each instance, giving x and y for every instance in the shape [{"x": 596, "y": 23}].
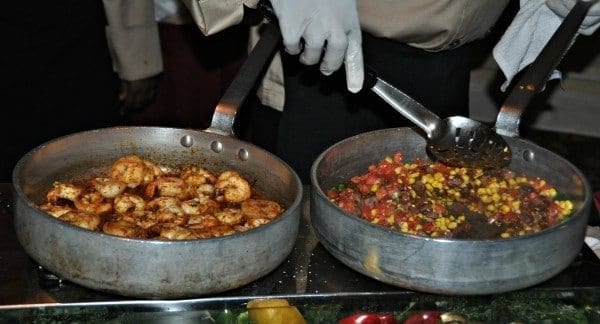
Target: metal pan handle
[
  {"x": 253, "y": 68},
  {"x": 534, "y": 79}
]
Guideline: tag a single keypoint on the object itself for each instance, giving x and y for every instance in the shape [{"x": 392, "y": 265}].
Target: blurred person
[
  {"x": 426, "y": 48},
  {"x": 196, "y": 69},
  {"x": 58, "y": 74}
]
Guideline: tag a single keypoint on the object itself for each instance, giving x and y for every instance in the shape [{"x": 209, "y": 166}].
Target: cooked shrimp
[
  {"x": 232, "y": 187},
  {"x": 109, "y": 188},
  {"x": 63, "y": 191},
  {"x": 128, "y": 202},
  {"x": 168, "y": 187},
  {"x": 133, "y": 171},
  {"x": 229, "y": 216},
  {"x": 256, "y": 222},
  {"x": 199, "y": 205},
  {"x": 124, "y": 228},
  {"x": 157, "y": 171},
  {"x": 169, "y": 204},
  {"x": 260, "y": 208},
  {"x": 82, "y": 219},
  {"x": 205, "y": 190},
  {"x": 150, "y": 219},
  {"x": 196, "y": 176},
  {"x": 202, "y": 221},
  {"x": 93, "y": 202},
  {"x": 56, "y": 210},
  {"x": 200, "y": 180},
  {"x": 175, "y": 232}
]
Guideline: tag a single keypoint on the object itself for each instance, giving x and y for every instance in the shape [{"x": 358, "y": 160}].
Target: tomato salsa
[{"x": 432, "y": 199}]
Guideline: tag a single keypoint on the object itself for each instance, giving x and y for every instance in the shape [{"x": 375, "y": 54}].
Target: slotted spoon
[{"x": 457, "y": 140}]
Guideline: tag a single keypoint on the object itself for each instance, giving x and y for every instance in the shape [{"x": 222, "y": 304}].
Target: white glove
[
  {"x": 591, "y": 21},
  {"x": 325, "y": 25}
]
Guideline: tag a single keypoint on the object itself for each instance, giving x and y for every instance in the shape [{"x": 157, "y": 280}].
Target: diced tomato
[
  {"x": 428, "y": 227},
  {"x": 332, "y": 194}
]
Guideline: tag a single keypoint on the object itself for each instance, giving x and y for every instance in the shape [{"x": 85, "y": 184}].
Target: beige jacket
[
  {"x": 133, "y": 39},
  {"x": 433, "y": 25}
]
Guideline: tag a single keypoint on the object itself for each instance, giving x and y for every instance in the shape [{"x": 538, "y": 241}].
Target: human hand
[
  {"x": 591, "y": 22},
  {"x": 329, "y": 26},
  {"x": 137, "y": 94}
]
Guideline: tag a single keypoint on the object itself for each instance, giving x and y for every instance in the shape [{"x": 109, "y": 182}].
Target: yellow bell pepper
[{"x": 273, "y": 311}]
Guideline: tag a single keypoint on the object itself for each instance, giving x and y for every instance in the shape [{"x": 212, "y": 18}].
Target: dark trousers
[{"x": 319, "y": 111}]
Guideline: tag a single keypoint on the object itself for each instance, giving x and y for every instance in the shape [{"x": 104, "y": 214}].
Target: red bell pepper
[
  {"x": 368, "y": 318},
  {"x": 425, "y": 317}
]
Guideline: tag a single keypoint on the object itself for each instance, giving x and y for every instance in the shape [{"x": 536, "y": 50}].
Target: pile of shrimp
[{"x": 140, "y": 199}]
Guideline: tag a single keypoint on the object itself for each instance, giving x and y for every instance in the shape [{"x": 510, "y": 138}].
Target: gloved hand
[
  {"x": 137, "y": 94},
  {"x": 329, "y": 26},
  {"x": 591, "y": 21}
]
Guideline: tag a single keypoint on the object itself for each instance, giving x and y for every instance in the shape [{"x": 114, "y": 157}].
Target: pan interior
[
  {"x": 93, "y": 152},
  {"x": 354, "y": 155}
]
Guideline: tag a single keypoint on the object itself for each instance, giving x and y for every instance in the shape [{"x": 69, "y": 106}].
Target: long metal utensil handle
[
  {"x": 536, "y": 76},
  {"x": 253, "y": 68},
  {"x": 402, "y": 103}
]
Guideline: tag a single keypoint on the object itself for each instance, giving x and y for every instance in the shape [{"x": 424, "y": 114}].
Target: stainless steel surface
[
  {"x": 153, "y": 268},
  {"x": 308, "y": 272},
  {"x": 455, "y": 140},
  {"x": 535, "y": 77},
  {"x": 447, "y": 266}
]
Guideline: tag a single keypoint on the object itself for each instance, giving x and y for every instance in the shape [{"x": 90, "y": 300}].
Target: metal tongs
[{"x": 465, "y": 142}]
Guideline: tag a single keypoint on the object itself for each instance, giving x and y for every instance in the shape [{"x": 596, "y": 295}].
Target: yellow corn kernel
[
  {"x": 404, "y": 227},
  {"x": 375, "y": 187},
  {"x": 567, "y": 207},
  {"x": 496, "y": 197},
  {"x": 549, "y": 192},
  {"x": 389, "y": 159},
  {"x": 429, "y": 187},
  {"x": 390, "y": 220},
  {"x": 491, "y": 208},
  {"x": 505, "y": 209},
  {"x": 452, "y": 225},
  {"x": 516, "y": 205},
  {"x": 505, "y": 235}
]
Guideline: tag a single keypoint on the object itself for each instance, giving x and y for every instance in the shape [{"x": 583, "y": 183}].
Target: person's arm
[
  {"x": 134, "y": 44},
  {"x": 213, "y": 16},
  {"x": 590, "y": 23}
]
